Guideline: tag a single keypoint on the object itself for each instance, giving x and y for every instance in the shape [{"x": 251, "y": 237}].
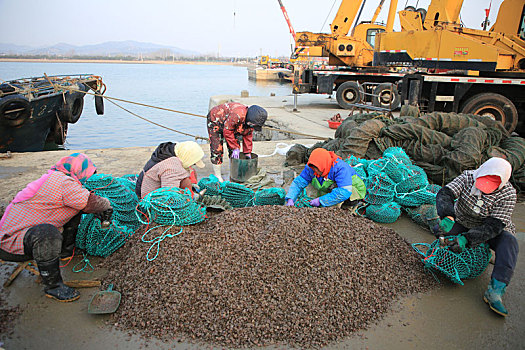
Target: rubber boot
[
  {"x": 493, "y": 297},
  {"x": 53, "y": 284},
  {"x": 217, "y": 171},
  {"x": 68, "y": 242}
]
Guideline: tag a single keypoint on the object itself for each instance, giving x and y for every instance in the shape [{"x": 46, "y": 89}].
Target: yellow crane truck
[
  {"x": 351, "y": 73},
  {"x": 481, "y": 72}
]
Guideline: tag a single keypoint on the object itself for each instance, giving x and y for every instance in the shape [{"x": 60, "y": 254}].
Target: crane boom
[
  {"x": 287, "y": 19},
  {"x": 345, "y": 17},
  {"x": 378, "y": 10}
]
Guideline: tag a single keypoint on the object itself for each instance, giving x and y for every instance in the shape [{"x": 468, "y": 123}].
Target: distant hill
[{"x": 110, "y": 48}]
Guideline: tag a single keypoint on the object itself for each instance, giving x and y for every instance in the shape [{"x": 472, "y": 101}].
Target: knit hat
[
  {"x": 189, "y": 153},
  {"x": 257, "y": 116}
]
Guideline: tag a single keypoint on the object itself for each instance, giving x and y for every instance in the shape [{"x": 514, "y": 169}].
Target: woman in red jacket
[{"x": 229, "y": 122}]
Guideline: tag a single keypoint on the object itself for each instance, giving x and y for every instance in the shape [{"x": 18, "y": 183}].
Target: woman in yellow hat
[{"x": 170, "y": 165}]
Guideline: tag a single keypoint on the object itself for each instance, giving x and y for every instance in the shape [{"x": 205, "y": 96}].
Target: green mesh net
[
  {"x": 239, "y": 196},
  {"x": 457, "y": 267},
  {"x": 99, "y": 241},
  {"x": 270, "y": 196},
  {"x": 170, "y": 206},
  {"x": 415, "y": 198},
  {"x": 384, "y": 213},
  {"x": 415, "y": 179},
  {"x": 303, "y": 200},
  {"x": 424, "y": 215},
  {"x": 380, "y": 189},
  {"x": 212, "y": 185}
]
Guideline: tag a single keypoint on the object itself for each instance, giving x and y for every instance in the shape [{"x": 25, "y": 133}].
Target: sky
[{"x": 232, "y": 28}]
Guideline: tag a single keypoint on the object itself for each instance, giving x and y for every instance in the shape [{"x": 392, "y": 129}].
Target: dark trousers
[
  {"x": 44, "y": 242},
  {"x": 506, "y": 247}
]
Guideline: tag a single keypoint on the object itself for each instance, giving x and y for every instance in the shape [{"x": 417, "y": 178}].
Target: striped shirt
[
  {"x": 471, "y": 210},
  {"x": 168, "y": 173},
  {"x": 59, "y": 199}
]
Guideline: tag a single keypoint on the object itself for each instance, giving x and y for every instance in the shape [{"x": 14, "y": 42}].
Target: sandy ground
[{"x": 451, "y": 317}]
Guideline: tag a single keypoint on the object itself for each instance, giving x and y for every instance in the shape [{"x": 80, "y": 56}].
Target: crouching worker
[
  {"x": 170, "y": 166},
  {"x": 231, "y": 122},
  {"x": 42, "y": 220},
  {"x": 335, "y": 180},
  {"x": 478, "y": 204}
]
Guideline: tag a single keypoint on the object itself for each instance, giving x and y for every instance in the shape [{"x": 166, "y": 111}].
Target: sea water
[{"x": 182, "y": 87}]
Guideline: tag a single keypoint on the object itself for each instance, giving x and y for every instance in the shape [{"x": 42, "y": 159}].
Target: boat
[{"x": 38, "y": 110}]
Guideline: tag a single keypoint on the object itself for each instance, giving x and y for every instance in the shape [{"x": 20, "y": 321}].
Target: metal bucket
[{"x": 243, "y": 168}]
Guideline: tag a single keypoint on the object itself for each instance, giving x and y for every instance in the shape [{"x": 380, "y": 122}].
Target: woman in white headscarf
[{"x": 480, "y": 203}]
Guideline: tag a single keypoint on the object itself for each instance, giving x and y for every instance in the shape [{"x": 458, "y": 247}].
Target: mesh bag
[
  {"x": 415, "y": 180},
  {"x": 398, "y": 155},
  {"x": 270, "y": 196},
  {"x": 468, "y": 264},
  {"x": 212, "y": 185},
  {"x": 380, "y": 189},
  {"x": 239, "y": 196},
  {"x": 130, "y": 181},
  {"x": 434, "y": 188},
  {"x": 424, "y": 215},
  {"x": 377, "y": 166},
  {"x": 359, "y": 165},
  {"x": 303, "y": 201},
  {"x": 383, "y": 213},
  {"x": 104, "y": 241},
  {"x": 170, "y": 206},
  {"x": 415, "y": 198}
]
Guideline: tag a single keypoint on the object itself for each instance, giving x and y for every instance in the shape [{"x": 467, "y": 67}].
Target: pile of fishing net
[
  {"x": 241, "y": 196},
  {"x": 443, "y": 144},
  {"x": 470, "y": 263},
  {"x": 393, "y": 183},
  {"x": 99, "y": 241}
]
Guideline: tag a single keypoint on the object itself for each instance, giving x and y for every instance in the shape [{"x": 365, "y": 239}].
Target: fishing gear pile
[
  {"x": 470, "y": 263},
  {"x": 442, "y": 144},
  {"x": 91, "y": 236},
  {"x": 394, "y": 183}
]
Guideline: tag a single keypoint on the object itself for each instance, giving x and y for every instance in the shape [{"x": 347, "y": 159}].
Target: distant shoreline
[{"x": 57, "y": 60}]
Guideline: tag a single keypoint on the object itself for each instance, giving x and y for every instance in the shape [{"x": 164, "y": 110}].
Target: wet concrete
[{"x": 450, "y": 317}]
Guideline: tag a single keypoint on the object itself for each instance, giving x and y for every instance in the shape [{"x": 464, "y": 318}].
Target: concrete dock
[{"x": 450, "y": 317}]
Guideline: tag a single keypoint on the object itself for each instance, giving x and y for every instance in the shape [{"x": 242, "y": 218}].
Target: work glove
[
  {"x": 235, "y": 154},
  {"x": 290, "y": 202},
  {"x": 315, "y": 202},
  {"x": 104, "y": 215},
  {"x": 460, "y": 242},
  {"x": 446, "y": 224},
  {"x": 248, "y": 155}
]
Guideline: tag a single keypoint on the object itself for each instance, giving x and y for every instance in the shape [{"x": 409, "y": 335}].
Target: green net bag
[
  {"x": 170, "y": 206},
  {"x": 457, "y": 267},
  {"x": 212, "y": 185},
  {"x": 424, "y": 215},
  {"x": 270, "y": 196},
  {"x": 303, "y": 200},
  {"x": 416, "y": 179},
  {"x": 99, "y": 241},
  {"x": 383, "y": 213},
  {"x": 415, "y": 198},
  {"x": 239, "y": 196},
  {"x": 380, "y": 189}
]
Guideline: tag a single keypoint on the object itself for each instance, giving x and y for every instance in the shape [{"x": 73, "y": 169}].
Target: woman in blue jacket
[{"x": 335, "y": 180}]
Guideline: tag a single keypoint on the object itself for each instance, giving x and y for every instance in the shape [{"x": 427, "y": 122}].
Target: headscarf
[
  {"x": 322, "y": 160},
  {"x": 77, "y": 165},
  {"x": 494, "y": 166},
  {"x": 189, "y": 153}
]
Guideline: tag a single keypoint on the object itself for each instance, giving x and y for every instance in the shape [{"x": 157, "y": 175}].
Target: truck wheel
[
  {"x": 348, "y": 93},
  {"x": 382, "y": 96},
  {"x": 495, "y": 106},
  {"x": 14, "y": 110}
]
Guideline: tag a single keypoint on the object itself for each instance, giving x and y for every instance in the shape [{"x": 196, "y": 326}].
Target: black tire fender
[
  {"x": 72, "y": 109},
  {"x": 495, "y": 106},
  {"x": 99, "y": 104},
  {"x": 381, "y": 96},
  {"x": 14, "y": 110},
  {"x": 348, "y": 93}
]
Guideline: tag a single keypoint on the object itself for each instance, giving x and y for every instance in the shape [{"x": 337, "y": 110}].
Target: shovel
[{"x": 104, "y": 302}]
